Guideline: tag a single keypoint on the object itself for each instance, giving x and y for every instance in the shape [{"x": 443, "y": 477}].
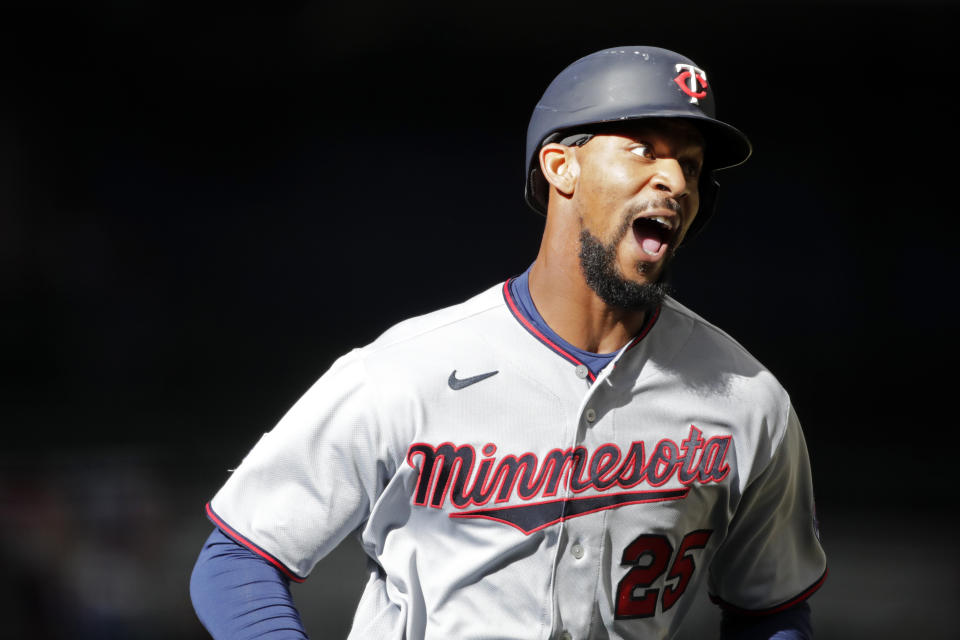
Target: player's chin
[{"x": 642, "y": 272}]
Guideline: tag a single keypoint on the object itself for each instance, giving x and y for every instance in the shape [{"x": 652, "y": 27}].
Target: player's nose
[{"x": 669, "y": 177}]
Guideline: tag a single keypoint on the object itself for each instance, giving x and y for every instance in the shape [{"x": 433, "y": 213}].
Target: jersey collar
[{"x": 551, "y": 342}]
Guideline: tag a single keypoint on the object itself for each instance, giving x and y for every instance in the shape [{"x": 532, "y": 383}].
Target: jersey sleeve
[
  {"x": 771, "y": 558},
  {"x": 309, "y": 482}
]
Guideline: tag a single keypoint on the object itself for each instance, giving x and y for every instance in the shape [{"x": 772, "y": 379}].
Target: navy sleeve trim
[
  {"x": 239, "y": 539},
  {"x": 792, "y": 602}
]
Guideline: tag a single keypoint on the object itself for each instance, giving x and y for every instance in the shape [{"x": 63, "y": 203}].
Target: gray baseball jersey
[{"x": 502, "y": 492}]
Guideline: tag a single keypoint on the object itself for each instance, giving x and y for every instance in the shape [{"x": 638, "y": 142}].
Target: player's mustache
[{"x": 659, "y": 203}]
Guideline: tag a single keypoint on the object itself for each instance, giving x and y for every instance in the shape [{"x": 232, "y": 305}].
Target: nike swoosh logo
[{"x": 456, "y": 383}]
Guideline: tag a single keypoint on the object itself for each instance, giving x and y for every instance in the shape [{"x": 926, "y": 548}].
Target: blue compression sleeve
[
  {"x": 237, "y": 595},
  {"x": 792, "y": 624}
]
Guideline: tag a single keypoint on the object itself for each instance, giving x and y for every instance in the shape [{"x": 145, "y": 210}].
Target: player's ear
[{"x": 559, "y": 166}]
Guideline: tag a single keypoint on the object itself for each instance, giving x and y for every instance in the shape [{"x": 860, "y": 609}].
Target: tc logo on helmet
[{"x": 690, "y": 79}]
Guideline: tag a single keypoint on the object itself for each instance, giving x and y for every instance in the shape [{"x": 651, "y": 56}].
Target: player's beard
[{"x": 599, "y": 264}]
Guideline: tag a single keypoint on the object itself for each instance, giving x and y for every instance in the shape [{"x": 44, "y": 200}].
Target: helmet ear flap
[
  {"x": 539, "y": 190},
  {"x": 709, "y": 192}
]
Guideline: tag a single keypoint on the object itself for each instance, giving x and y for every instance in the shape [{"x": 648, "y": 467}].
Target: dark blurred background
[{"x": 201, "y": 207}]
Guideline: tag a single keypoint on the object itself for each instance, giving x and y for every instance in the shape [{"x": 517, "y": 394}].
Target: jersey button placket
[{"x": 574, "y": 568}]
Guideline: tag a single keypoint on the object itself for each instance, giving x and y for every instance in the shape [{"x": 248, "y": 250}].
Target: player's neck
[{"x": 573, "y": 310}]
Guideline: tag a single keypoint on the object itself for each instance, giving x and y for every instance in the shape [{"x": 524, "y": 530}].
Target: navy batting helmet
[{"x": 631, "y": 83}]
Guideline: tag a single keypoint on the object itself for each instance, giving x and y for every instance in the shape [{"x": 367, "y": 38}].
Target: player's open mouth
[{"x": 654, "y": 234}]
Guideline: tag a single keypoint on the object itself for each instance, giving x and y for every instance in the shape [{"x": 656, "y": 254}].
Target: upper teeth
[{"x": 666, "y": 222}]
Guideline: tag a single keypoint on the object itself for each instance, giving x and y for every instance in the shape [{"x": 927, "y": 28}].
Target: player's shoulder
[
  {"x": 701, "y": 348},
  {"x": 705, "y": 331},
  {"x": 396, "y": 362},
  {"x": 437, "y": 328}
]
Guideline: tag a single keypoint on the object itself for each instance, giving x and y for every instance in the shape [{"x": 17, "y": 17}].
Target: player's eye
[
  {"x": 643, "y": 150},
  {"x": 691, "y": 169}
]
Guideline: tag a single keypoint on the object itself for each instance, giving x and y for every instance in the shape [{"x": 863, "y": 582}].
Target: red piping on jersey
[
  {"x": 227, "y": 529},
  {"x": 809, "y": 591},
  {"x": 560, "y": 350},
  {"x": 646, "y": 329},
  {"x": 536, "y": 332}
]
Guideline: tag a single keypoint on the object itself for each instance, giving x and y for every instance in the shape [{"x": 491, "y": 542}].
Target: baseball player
[{"x": 568, "y": 454}]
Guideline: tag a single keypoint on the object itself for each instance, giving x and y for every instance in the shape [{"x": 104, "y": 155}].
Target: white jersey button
[
  {"x": 582, "y": 371},
  {"x": 577, "y": 551},
  {"x": 590, "y": 415}
]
